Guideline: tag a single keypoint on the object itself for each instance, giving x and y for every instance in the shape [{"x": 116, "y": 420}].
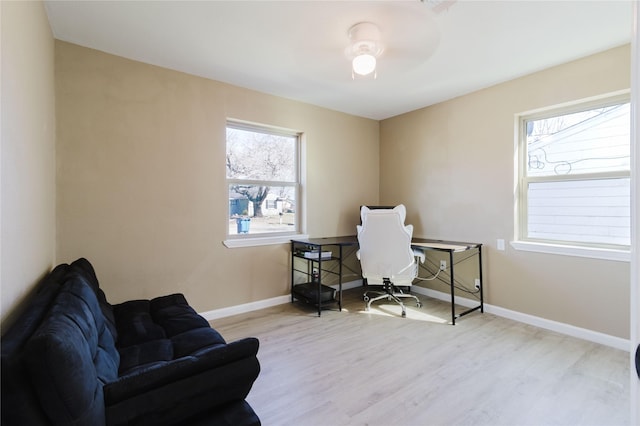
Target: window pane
[
  {"x": 593, "y": 141},
  {"x": 257, "y": 209},
  {"x": 584, "y": 211},
  {"x": 254, "y": 155}
]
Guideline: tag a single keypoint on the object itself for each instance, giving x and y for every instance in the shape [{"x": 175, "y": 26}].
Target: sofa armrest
[
  {"x": 164, "y": 373},
  {"x": 169, "y": 392}
]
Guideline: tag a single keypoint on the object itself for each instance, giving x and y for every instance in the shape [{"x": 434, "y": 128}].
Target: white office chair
[{"x": 385, "y": 254}]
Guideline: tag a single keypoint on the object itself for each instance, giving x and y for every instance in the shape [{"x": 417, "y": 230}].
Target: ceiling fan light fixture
[
  {"x": 364, "y": 48},
  {"x": 364, "y": 64}
]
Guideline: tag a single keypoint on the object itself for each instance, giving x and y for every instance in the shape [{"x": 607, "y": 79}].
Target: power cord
[{"x": 429, "y": 278}]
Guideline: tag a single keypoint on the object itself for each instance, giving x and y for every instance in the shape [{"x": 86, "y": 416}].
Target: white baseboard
[
  {"x": 261, "y": 304},
  {"x": 570, "y": 330},
  {"x": 559, "y": 327},
  {"x": 245, "y": 307}
]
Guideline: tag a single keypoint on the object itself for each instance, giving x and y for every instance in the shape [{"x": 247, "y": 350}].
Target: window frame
[
  {"x": 267, "y": 238},
  {"x": 574, "y": 248}
]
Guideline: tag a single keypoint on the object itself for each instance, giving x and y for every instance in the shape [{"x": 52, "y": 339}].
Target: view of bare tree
[{"x": 260, "y": 159}]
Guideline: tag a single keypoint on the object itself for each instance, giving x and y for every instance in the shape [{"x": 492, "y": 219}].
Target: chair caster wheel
[
  {"x": 404, "y": 314},
  {"x": 365, "y": 298},
  {"x": 419, "y": 305}
]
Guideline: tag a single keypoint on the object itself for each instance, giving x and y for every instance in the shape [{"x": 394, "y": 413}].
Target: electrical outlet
[
  {"x": 443, "y": 265},
  {"x": 477, "y": 283}
]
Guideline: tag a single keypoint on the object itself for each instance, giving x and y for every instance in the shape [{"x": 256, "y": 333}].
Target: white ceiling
[{"x": 433, "y": 51}]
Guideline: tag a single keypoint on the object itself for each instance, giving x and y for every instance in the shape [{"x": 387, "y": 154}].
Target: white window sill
[
  {"x": 594, "y": 253},
  {"x": 262, "y": 241}
]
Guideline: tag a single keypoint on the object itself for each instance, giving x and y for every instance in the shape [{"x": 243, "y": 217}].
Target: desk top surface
[
  {"x": 348, "y": 240},
  {"x": 426, "y": 243}
]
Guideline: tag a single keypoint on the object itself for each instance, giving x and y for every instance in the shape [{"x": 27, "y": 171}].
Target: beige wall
[
  {"x": 139, "y": 182},
  {"x": 452, "y": 164},
  {"x": 141, "y": 189},
  {"x": 27, "y": 197}
]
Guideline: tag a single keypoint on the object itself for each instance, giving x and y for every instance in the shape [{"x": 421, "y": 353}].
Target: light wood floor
[{"x": 376, "y": 368}]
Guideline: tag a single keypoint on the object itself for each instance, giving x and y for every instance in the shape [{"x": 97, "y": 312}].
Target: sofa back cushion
[
  {"x": 83, "y": 267},
  {"x": 72, "y": 355},
  {"x": 20, "y": 405}
]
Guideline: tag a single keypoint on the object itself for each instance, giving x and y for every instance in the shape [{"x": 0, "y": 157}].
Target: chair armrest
[{"x": 409, "y": 229}]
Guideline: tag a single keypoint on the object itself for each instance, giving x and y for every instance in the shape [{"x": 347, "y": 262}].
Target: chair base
[{"x": 391, "y": 292}]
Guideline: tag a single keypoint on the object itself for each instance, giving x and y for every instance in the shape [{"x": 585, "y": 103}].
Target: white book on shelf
[{"x": 317, "y": 255}]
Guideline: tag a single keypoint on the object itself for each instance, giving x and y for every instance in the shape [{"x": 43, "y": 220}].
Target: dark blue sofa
[{"x": 71, "y": 358}]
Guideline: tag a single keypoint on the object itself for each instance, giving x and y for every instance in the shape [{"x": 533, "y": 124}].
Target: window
[
  {"x": 574, "y": 175},
  {"x": 263, "y": 180}
]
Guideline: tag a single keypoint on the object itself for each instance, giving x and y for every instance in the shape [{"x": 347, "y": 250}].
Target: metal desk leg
[
  {"x": 480, "y": 276},
  {"x": 319, "y": 280},
  {"x": 453, "y": 297},
  {"x": 340, "y": 280},
  {"x": 293, "y": 259}
]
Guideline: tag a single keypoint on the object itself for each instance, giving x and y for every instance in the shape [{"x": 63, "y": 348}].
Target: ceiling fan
[
  {"x": 364, "y": 48},
  {"x": 369, "y": 40}
]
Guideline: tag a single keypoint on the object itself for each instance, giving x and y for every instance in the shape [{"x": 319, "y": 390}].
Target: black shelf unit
[{"x": 314, "y": 272}]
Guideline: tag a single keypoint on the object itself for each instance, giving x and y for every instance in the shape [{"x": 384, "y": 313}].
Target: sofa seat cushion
[
  {"x": 71, "y": 356},
  {"x": 174, "y": 315},
  {"x": 190, "y": 343},
  {"x": 160, "y": 330},
  {"x": 193, "y": 341},
  {"x": 144, "y": 354}
]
